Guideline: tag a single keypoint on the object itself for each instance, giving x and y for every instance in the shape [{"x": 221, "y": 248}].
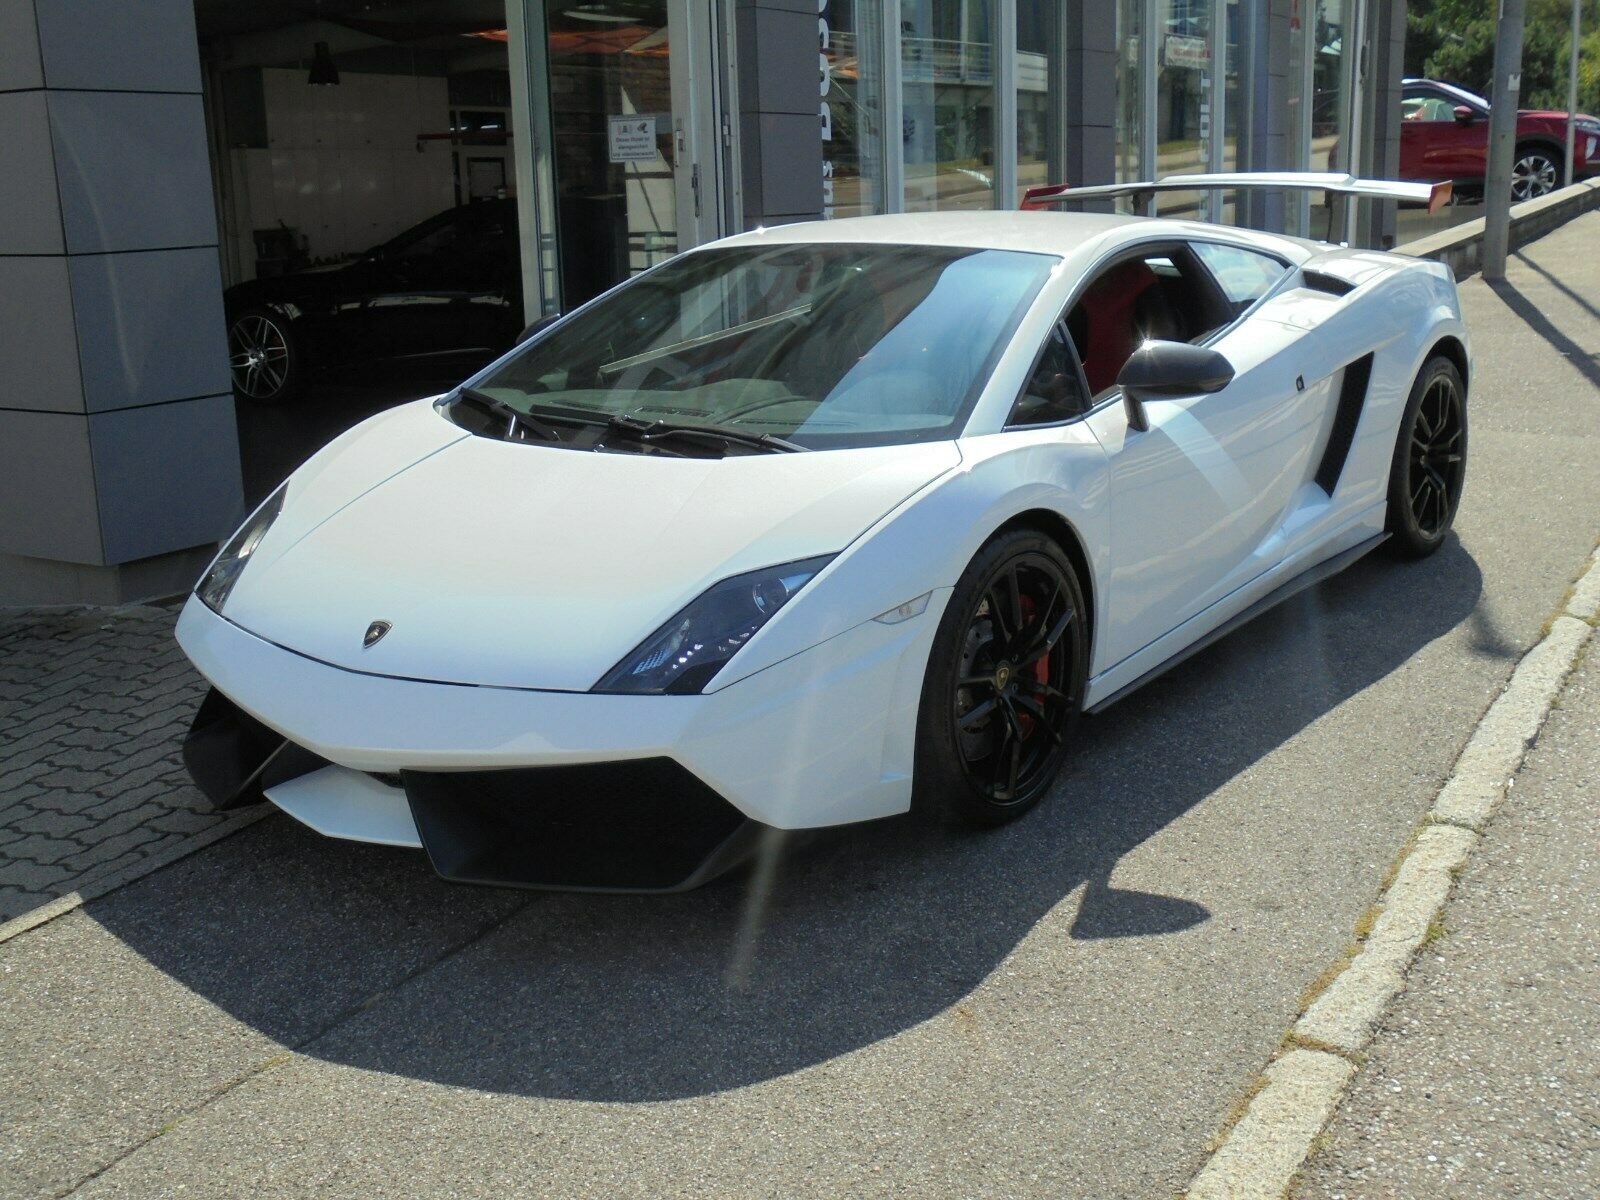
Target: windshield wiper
[
  {"x": 515, "y": 417},
  {"x": 657, "y": 431}
]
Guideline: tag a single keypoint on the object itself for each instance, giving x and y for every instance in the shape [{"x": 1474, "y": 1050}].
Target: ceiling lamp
[
  {"x": 598, "y": 12},
  {"x": 324, "y": 72}
]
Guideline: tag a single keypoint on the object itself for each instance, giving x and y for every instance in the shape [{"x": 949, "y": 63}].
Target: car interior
[{"x": 1160, "y": 294}]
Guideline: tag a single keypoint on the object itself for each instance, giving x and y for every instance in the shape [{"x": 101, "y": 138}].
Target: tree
[{"x": 1454, "y": 40}]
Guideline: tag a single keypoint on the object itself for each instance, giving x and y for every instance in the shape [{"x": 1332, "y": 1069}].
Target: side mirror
[
  {"x": 1160, "y": 369},
  {"x": 1464, "y": 115}
]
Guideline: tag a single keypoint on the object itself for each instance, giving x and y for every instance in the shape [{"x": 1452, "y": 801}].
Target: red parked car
[{"x": 1444, "y": 134}]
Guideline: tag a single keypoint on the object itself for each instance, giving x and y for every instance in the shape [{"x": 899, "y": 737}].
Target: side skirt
[{"x": 1308, "y": 578}]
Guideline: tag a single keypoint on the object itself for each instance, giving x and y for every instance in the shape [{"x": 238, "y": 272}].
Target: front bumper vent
[{"x": 648, "y": 825}]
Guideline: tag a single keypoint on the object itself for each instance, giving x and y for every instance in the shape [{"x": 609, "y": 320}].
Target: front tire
[
  {"x": 1005, "y": 684},
  {"x": 1430, "y": 460},
  {"x": 265, "y": 356}
]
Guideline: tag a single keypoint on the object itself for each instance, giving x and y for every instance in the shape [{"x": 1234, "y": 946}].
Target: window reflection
[
  {"x": 947, "y": 63},
  {"x": 849, "y": 32}
]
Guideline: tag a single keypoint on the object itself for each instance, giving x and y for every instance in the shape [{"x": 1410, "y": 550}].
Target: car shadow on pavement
[{"x": 357, "y": 955}]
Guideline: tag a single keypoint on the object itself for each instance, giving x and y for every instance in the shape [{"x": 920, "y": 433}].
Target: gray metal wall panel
[
  {"x": 791, "y": 166},
  {"x": 1089, "y": 34},
  {"x": 790, "y": 81},
  {"x": 38, "y": 342},
  {"x": 133, "y": 171},
  {"x": 19, "y": 47},
  {"x": 149, "y": 327},
  {"x": 146, "y": 46},
  {"x": 780, "y": 132},
  {"x": 31, "y": 221},
  {"x": 47, "y": 487},
  {"x": 168, "y": 476}
]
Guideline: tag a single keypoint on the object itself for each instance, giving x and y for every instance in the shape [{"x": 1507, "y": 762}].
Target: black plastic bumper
[
  {"x": 233, "y": 758},
  {"x": 645, "y": 825}
]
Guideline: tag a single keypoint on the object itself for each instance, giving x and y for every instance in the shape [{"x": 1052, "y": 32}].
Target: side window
[
  {"x": 1161, "y": 294},
  {"x": 1243, "y": 275},
  {"x": 1054, "y": 392},
  {"x": 1426, "y": 105}
]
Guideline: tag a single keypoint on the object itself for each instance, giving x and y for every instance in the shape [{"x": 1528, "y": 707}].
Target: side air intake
[
  {"x": 1352, "y": 398},
  {"x": 1319, "y": 281}
]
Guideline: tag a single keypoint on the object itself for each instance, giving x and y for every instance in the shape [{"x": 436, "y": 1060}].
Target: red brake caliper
[{"x": 1041, "y": 669}]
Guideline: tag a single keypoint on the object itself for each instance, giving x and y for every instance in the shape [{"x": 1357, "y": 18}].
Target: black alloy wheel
[
  {"x": 1430, "y": 461},
  {"x": 263, "y": 357},
  {"x": 1005, "y": 683},
  {"x": 1534, "y": 173}
]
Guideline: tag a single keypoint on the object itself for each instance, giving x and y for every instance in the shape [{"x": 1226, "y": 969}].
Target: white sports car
[{"x": 818, "y": 524}]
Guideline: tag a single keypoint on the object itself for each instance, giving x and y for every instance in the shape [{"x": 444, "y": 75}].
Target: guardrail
[{"x": 1461, "y": 247}]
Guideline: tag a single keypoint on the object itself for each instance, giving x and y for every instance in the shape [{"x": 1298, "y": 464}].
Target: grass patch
[
  {"x": 1324, "y": 981},
  {"x": 1436, "y": 933},
  {"x": 1235, "y": 1113},
  {"x": 1367, "y": 920}
]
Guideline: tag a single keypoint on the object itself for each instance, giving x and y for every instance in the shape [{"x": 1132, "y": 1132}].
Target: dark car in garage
[{"x": 449, "y": 288}]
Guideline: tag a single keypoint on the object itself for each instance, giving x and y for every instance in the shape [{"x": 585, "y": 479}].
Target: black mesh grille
[{"x": 643, "y": 825}]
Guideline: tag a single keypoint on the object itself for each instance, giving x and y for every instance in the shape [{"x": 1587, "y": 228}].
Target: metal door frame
[{"x": 705, "y": 135}]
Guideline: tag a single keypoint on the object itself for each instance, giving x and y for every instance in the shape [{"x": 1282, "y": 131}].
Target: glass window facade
[
  {"x": 982, "y": 92},
  {"x": 947, "y": 68},
  {"x": 1041, "y": 116},
  {"x": 1183, "y": 113},
  {"x": 1128, "y": 138},
  {"x": 850, "y": 37}
]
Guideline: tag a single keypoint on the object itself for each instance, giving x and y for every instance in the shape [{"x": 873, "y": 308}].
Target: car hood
[{"x": 520, "y": 565}]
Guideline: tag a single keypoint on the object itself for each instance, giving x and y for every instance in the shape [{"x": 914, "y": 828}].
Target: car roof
[
  {"x": 1035, "y": 232},
  {"x": 1444, "y": 85}
]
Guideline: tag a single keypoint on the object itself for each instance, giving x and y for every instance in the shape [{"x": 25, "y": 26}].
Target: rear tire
[
  {"x": 1005, "y": 682},
  {"x": 265, "y": 356},
  {"x": 1430, "y": 460},
  {"x": 1535, "y": 172}
]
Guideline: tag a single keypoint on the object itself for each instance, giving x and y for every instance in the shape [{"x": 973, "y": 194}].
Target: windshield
[{"x": 818, "y": 345}]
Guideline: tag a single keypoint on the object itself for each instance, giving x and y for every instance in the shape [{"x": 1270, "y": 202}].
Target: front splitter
[{"x": 641, "y": 825}]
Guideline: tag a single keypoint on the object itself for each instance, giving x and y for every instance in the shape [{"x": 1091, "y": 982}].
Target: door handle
[{"x": 694, "y": 182}]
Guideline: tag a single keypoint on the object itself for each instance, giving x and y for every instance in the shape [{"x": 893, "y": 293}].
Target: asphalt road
[{"x": 1065, "y": 1007}]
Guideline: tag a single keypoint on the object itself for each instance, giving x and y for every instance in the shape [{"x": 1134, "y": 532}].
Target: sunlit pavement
[{"x": 1069, "y": 1006}]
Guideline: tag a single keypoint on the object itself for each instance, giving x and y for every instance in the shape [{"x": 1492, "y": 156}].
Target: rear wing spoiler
[{"x": 1434, "y": 195}]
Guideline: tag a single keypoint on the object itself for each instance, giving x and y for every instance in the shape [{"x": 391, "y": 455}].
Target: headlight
[
  {"x": 217, "y": 583},
  {"x": 682, "y": 656}
]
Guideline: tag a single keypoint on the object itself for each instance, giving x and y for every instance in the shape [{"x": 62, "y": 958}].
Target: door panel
[
  {"x": 452, "y": 288},
  {"x": 1197, "y": 498}
]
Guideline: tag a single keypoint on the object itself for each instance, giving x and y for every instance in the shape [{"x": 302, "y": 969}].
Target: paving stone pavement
[{"x": 93, "y": 705}]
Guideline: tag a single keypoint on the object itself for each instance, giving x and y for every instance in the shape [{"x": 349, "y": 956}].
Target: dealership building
[{"x": 154, "y": 153}]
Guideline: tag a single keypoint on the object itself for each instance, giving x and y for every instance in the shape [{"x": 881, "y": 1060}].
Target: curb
[
  {"x": 95, "y": 887},
  {"x": 1259, "y": 1156}
]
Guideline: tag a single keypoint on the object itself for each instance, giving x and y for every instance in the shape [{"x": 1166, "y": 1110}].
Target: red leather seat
[{"x": 1111, "y": 328}]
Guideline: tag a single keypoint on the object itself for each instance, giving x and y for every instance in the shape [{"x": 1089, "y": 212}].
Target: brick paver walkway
[{"x": 93, "y": 706}]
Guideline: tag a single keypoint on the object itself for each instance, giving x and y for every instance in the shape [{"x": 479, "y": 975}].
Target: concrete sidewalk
[{"x": 1485, "y": 1079}]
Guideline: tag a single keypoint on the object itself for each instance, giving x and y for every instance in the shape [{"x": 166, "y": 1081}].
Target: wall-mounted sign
[
  {"x": 1186, "y": 53},
  {"x": 825, "y": 64},
  {"x": 632, "y": 138}
]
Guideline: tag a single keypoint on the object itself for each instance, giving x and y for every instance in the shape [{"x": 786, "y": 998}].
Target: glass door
[{"x": 634, "y": 113}]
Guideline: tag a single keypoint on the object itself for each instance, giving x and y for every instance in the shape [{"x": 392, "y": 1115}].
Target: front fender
[{"x": 926, "y": 542}]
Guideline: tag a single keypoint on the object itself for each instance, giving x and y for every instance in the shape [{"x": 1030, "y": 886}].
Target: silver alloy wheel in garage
[
  {"x": 1533, "y": 175},
  {"x": 258, "y": 355}
]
